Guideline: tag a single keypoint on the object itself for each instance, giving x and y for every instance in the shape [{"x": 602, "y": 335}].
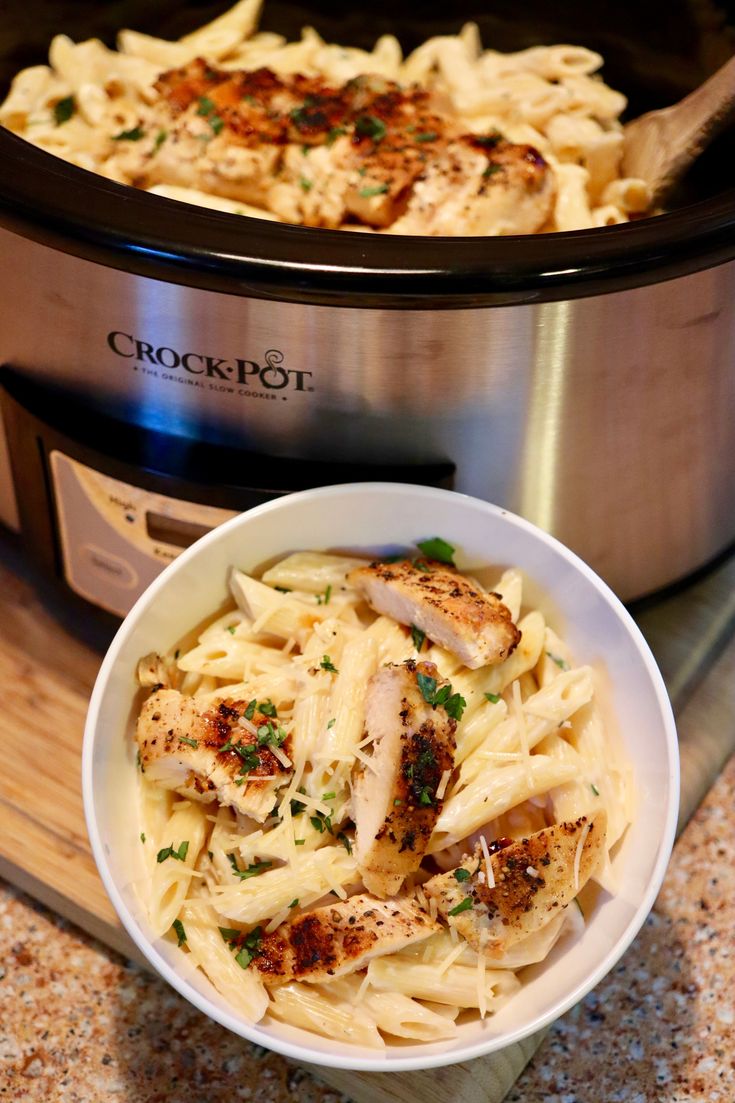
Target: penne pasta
[{"x": 284, "y": 914}]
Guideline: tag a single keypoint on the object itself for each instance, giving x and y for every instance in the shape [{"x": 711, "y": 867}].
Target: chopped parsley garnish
[
  {"x": 142, "y": 836},
  {"x": 493, "y": 698},
  {"x": 206, "y": 106},
  {"x": 345, "y": 842},
  {"x": 438, "y": 549},
  {"x": 250, "y": 99},
  {"x": 297, "y": 806},
  {"x": 327, "y": 664},
  {"x": 250, "y": 948},
  {"x": 251, "y": 871},
  {"x": 132, "y": 135},
  {"x": 207, "y": 109},
  {"x": 323, "y": 599},
  {"x": 331, "y": 723},
  {"x": 397, "y": 802},
  {"x": 462, "y": 874},
  {"x": 329, "y": 796},
  {"x": 334, "y": 134},
  {"x": 268, "y": 734},
  {"x": 488, "y": 141},
  {"x": 455, "y": 706},
  {"x": 189, "y": 742},
  {"x": 170, "y": 852},
  {"x": 160, "y": 139},
  {"x": 561, "y": 663},
  {"x": 368, "y": 126},
  {"x": 306, "y": 185},
  {"x": 299, "y": 842},
  {"x": 595, "y": 790},
  {"x": 454, "y": 703},
  {"x": 371, "y": 190},
  {"x": 283, "y": 589},
  {"x": 230, "y": 934},
  {"x": 425, "y": 796},
  {"x": 294, "y": 903},
  {"x": 427, "y": 136},
  {"x": 64, "y": 109},
  {"x": 418, "y": 637},
  {"x": 178, "y": 926},
  {"x": 249, "y": 756},
  {"x": 250, "y": 710},
  {"x": 231, "y": 629},
  {"x": 463, "y": 907},
  {"x": 267, "y": 708},
  {"x": 426, "y": 759},
  {"x": 322, "y": 822},
  {"x": 492, "y": 169}
]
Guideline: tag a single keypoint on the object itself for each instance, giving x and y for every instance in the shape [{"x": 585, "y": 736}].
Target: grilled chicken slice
[
  {"x": 472, "y": 624},
  {"x": 316, "y": 155},
  {"x": 476, "y": 189},
  {"x": 394, "y": 801},
  {"x": 340, "y": 938},
  {"x": 209, "y": 755},
  {"x": 534, "y": 879}
]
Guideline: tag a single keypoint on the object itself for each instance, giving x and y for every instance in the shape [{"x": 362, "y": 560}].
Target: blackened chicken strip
[
  {"x": 396, "y": 799},
  {"x": 340, "y": 938},
  {"x": 318, "y": 155},
  {"x": 207, "y": 754}
]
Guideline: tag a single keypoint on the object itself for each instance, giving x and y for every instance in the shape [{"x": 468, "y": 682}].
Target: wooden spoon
[{"x": 660, "y": 146}]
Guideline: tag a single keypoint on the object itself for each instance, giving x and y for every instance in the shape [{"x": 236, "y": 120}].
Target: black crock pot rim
[{"x": 69, "y": 208}]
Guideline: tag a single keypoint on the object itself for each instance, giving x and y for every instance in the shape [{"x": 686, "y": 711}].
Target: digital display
[{"x": 172, "y": 530}]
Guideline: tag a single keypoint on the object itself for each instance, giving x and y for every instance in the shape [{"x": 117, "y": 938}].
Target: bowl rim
[{"x": 381, "y": 1062}]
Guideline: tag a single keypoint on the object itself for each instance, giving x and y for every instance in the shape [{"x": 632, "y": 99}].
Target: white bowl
[{"x": 375, "y": 516}]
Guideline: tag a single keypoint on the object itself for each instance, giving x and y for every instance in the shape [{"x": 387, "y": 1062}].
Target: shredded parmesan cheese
[
  {"x": 366, "y": 761},
  {"x": 488, "y": 862},
  {"x": 449, "y": 959},
  {"x": 248, "y": 725},
  {"x": 281, "y": 756},
  {"x": 443, "y": 782}
]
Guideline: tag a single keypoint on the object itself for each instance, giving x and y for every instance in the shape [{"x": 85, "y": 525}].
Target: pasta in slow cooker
[
  {"x": 453, "y": 139},
  {"x": 365, "y": 827}
]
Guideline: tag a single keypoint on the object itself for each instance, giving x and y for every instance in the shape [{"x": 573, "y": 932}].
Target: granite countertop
[{"x": 79, "y": 1024}]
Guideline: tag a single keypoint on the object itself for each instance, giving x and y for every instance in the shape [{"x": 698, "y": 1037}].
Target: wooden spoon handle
[{"x": 660, "y": 146}]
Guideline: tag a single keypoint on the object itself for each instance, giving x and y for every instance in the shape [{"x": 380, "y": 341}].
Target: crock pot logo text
[{"x": 265, "y": 377}]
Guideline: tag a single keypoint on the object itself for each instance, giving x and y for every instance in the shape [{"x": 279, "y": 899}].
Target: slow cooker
[{"x": 165, "y": 365}]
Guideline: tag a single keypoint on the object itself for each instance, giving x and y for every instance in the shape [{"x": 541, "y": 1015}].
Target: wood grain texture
[
  {"x": 46, "y": 675},
  {"x": 661, "y": 145}
]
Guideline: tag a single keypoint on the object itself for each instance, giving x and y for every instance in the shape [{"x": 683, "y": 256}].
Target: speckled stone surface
[{"x": 79, "y": 1025}]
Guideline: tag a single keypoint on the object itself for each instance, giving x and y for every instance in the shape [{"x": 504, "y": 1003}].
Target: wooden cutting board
[{"x": 46, "y": 674}]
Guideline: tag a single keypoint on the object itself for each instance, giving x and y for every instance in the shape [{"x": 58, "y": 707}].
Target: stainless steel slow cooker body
[{"x": 584, "y": 380}]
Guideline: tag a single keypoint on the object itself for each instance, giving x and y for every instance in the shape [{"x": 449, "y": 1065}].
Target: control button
[{"x": 108, "y": 566}]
